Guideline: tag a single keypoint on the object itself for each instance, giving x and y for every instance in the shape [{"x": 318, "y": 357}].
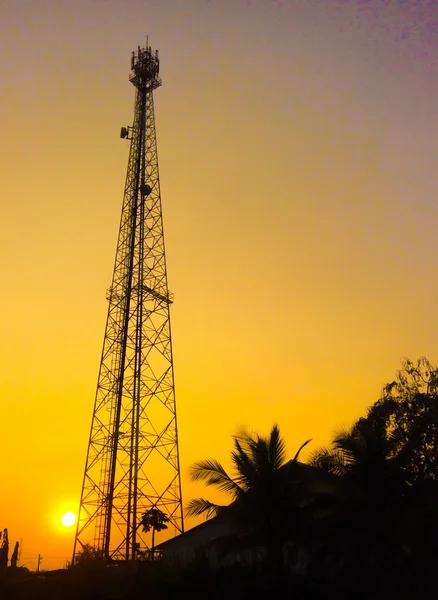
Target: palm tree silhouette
[
  {"x": 156, "y": 520},
  {"x": 263, "y": 489},
  {"x": 364, "y": 457},
  {"x": 372, "y": 485}
]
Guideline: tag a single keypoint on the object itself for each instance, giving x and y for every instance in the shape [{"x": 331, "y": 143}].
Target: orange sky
[{"x": 297, "y": 145}]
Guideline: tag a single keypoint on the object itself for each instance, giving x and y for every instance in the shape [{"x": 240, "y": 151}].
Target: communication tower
[{"x": 132, "y": 462}]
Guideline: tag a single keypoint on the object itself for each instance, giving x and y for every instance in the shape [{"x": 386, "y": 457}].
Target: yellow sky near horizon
[{"x": 297, "y": 146}]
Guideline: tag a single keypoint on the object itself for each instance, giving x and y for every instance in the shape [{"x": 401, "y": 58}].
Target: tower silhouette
[{"x": 132, "y": 462}]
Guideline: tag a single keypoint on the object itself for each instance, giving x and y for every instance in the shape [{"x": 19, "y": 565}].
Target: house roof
[
  {"x": 189, "y": 533},
  {"x": 319, "y": 483}
]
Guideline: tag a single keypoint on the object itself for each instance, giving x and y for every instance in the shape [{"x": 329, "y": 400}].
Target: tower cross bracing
[{"x": 132, "y": 462}]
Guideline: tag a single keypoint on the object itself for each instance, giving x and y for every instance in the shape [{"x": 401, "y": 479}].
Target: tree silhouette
[
  {"x": 396, "y": 444},
  {"x": 156, "y": 520},
  {"x": 387, "y": 465},
  {"x": 89, "y": 557},
  {"x": 408, "y": 412},
  {"x": 255, "y": 460},
  {"x": 264, "y": 489},
  {"x": 4, "y": 551},
  {"x": 14, "y": 557}
]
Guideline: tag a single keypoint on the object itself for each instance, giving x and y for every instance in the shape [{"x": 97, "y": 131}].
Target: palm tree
[
  {"x": 156, "y": 520},
  {"x": 262, "y": 489},
  {"x": 363, "y": 456},
  {"x": 372, "y": 484}
]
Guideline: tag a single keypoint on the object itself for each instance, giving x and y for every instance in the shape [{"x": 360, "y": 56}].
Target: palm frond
[
  {"x": 342, "y": 435},
  {"x": 329, "y": 460},
  {"x": 298, "y": 452},
  {"x": 211, "y": 472},
  {"x": 245, "y": 469},
  {"x": 266, "y": 447},
  {"x": 260, "y": 456},
  {"x": 200, "y": 506},
  {"x": 350, "y": 444},
  {"x": 256, "y": 457},
  {"x": 244, "y": 438},
  {"x": 276, "y": 448}
]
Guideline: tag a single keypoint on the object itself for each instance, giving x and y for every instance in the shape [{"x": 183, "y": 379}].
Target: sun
[{"x": 68, "y": 519}]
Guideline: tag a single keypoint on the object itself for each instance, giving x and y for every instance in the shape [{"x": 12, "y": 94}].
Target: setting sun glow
[
  {"x": 300, "y": 228},
  {"x": 68, "y": 519}
]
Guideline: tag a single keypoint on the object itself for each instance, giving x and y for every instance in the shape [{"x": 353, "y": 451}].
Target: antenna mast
[{"x": 132, "y": 462}]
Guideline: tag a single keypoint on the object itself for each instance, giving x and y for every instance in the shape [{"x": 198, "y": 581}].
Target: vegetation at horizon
[{"x": 358, "y": 518}]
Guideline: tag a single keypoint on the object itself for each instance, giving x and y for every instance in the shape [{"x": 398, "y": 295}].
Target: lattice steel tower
[{"x": 132, "y": 462}]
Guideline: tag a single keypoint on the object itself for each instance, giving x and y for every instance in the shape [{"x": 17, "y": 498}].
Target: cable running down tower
[{"x": 132, "y": 462}]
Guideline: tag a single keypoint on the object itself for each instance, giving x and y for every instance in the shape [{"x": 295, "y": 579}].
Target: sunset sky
[{"x": 298, "y": 145}]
